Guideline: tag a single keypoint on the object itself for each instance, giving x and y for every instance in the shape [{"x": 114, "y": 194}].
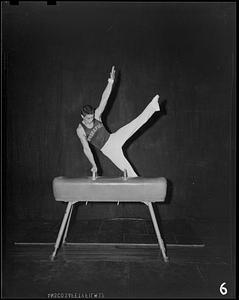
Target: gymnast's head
[{"x": 88, "y": 114}]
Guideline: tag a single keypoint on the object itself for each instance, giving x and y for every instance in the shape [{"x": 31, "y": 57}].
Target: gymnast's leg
[
  {"x": 113, "y": 147},
  {"x": 125, "y": 132},
  {"x": 115, "y": 153}
]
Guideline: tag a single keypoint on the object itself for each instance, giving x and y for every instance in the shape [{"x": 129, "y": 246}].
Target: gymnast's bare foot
[{"x": 155, "y": 103}]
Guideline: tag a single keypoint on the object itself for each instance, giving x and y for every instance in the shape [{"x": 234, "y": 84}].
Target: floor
[{"x": 201, "y": 259}]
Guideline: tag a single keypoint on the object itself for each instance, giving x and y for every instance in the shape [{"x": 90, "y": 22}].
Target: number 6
[{"x": 223, "y": 290}]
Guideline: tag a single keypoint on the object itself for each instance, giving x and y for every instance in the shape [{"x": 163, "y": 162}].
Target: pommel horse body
[{"x": 103, "y": 189}]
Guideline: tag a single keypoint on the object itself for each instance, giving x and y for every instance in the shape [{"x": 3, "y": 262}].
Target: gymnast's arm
[
  {"x": 105, "y": 96},
  {"x": 86, "y": 147}
]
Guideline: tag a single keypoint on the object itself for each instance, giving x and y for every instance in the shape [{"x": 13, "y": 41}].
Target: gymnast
[{"x": 92, "y": 130}]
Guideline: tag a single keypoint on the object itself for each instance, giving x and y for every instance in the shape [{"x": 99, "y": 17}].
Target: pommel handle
[
  {"x": 93, "y": 175},
  {"x": 125, "y": 174}
]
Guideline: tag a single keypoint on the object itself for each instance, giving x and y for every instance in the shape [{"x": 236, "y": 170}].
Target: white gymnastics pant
[{"x": 113, "y": 147}]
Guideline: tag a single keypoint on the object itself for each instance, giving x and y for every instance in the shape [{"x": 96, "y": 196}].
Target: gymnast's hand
[
  {"x": 94, "y": 169},
  {"x": 112, "y": 73}
]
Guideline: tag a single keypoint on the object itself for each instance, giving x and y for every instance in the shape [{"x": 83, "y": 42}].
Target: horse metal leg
[
  {"x": 156, "y": 228},
  {"x": 63, "y": 224}
]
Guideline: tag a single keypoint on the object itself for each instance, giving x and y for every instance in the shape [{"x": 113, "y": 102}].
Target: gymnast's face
[{"x": 88, "y": 119}]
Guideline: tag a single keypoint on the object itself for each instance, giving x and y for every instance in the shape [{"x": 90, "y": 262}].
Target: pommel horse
[{"x": 103, "y": 189}]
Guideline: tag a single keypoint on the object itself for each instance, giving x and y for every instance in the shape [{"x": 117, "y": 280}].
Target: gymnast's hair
[{"x": 87, "y": 110}]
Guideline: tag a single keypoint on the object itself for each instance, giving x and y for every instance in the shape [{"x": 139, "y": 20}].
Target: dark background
[{"x": 57, "y": 58}]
